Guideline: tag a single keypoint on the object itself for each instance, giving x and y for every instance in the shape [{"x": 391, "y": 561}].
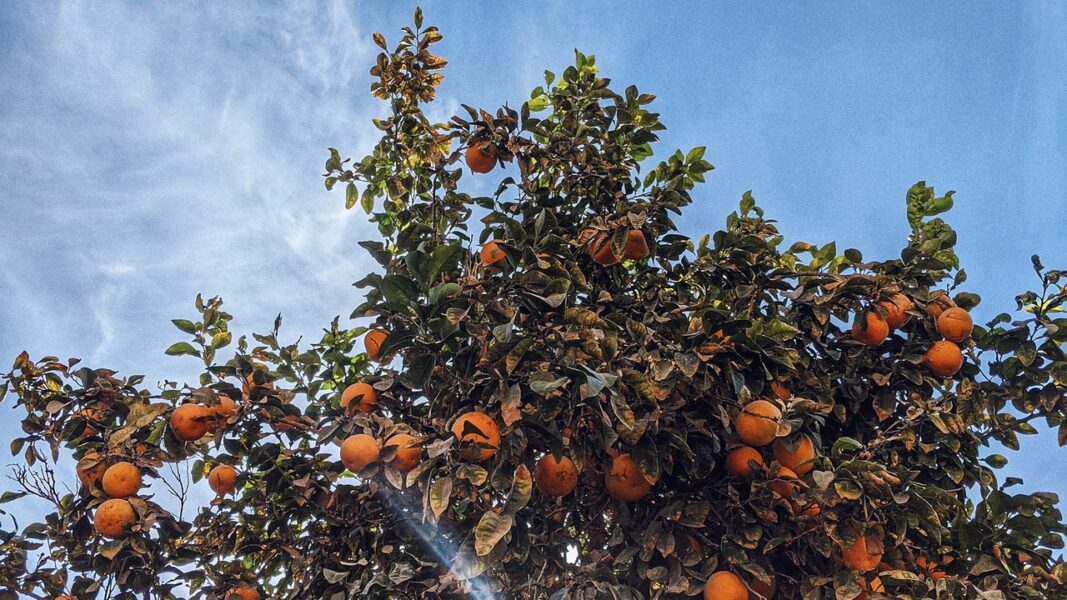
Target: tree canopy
[{"x": 559, "y": 395}]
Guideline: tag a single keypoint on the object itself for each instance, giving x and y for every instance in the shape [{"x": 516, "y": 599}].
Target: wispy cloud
[{"x": 176, "y": 152}]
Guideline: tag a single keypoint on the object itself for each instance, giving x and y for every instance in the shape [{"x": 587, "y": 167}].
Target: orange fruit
[
  {"x": 408, "y": 454},
  {"x": 896, "y": 310},
  {"x": 91, "y": 416},
  {"x": 65, "y": 597},
  {"x": 243, "y": 593},
  {"x": 737, "y": 461},
  {"x": 478, "y": 435},
  {"x": 873, "y": 332},
  {"x": 784, "y": 482},
  {"x": 798, "y": 459},
  {"x": 724, "y": 585},
  {"x": 604, "y": 254},
  {"x": 811, "y": 511},
  {"x": 624, "y": 481},
  {"x": 222, "y": 479},
  {"x": 944, "y": 358},
  {"x": 373, "y": 342},
  {"x": 91, "y": 468},
  {"x": 189, "y": 422},
  {"x": 481, "y": 160},
  {"x": 358, "y": 451},
  {"x": 636, "y": 247},
  {"x": 221, "y": 413},
  {"x": 556, "y": 477},
  {"x": 938, "y": 303},
  {"x": 492, "y": 255},
  {"x": 857, "y": 557},
  {"x": 226, "y": 408},
  {"x": 780, "y": 390},
  {"x": 368, "y": 398},
  {"x": 762, "y": 591},
  {"x": 757, "y": 423},
  {"x": 955, "y": 324},
  {"x": 121, "y": 480},
  {"x": 114, "y": 517},
  {"x": 250, "y": 381}
]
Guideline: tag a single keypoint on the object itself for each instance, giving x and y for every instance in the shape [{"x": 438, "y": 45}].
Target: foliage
[{"x": 653, "y": 357}]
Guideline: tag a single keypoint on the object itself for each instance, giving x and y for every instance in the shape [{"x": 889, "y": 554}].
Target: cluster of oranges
[
  {"x": 944, "y": 357},
  {"x": 756, "y": 425},
  {"x": 121, "y": 480}
]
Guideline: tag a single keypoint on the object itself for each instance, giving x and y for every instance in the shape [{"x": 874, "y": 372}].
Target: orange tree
[{"x": 570, "y": 399}]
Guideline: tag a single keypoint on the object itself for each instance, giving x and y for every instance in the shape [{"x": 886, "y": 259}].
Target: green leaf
[
  {"x": 221, "y": 340},
  {"x": 366, "y": 200},
  {"x": 521, "y": 490},
  {"x": 184, "y": 325},
  {"x": 334, "y": 162},
  {"x": 181, "y": 348},
  {"x": 10, "y": 496},
  {"x": 444, "y": 291},
  {"x": 491, "y": 528},
  {"x": 399, "y": 290},
  {"x": 843, "y": 444},
  {"x": 440, "y": 494},
  {"x": 351, "y": 195},
  {"x": 996, "y": 461}
]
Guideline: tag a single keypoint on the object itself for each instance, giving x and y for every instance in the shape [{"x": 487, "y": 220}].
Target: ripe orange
[
  {"x": 624, "y": 481},
  {"x": 114, "y": 517},
  {"x": 955, "y": 324},
  {"x": 250, "y": 381},
  {"x": 762, "y": 591},
  {"x": 121, "y": 480},
  {"x": 636, "y": 247},
  {"x": 724, "y": 585},
  {"x": 226, "y": 408},
  {"x": 368, "y": 398},
  {"x": 492, "y": 255},
  {"x": 65, "y": 597},
  {"x": 91, "y": 468},
  {"x": 857, "y": 557},
  {"x": 811, "y": 510},
  {"x": 373, "y": 342},
  {"x": 358, "y": 451},
  {"x": 737, "y": 461},
  {"x": 604, "y": 254},
  {"x": 243, "y": 593},
  {"x": 481, "y": 160},
  {"x": 798, "y": 459},
  {"x": 408, "y": 454},
  {"x": 91, "y": 416},
  {"x": 784, "y": 482},
  {"x": 478, "y": 435},
  {"x": 780, "y": 390},
  {"x": 938, "y": 303},
  {"x": 222, "y": 479},
  {"x": 556, "y": 477},
  {"x": 189, "y": 422},
  {"x": 896, "y": 308},
  {"x": 875, "y": 331},
  {"x": 757, "y": 423},
  {"x": 944, "y": 358}
]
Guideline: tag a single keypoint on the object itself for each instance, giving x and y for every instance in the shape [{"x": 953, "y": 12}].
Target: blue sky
[{"x": 150, "y": 152}]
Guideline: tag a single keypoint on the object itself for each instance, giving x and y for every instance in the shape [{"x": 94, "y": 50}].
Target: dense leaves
[{"x": 588, "y": 328}]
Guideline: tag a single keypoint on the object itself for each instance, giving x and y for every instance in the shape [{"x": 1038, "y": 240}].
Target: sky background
[{"x": 149, "y": 152}]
